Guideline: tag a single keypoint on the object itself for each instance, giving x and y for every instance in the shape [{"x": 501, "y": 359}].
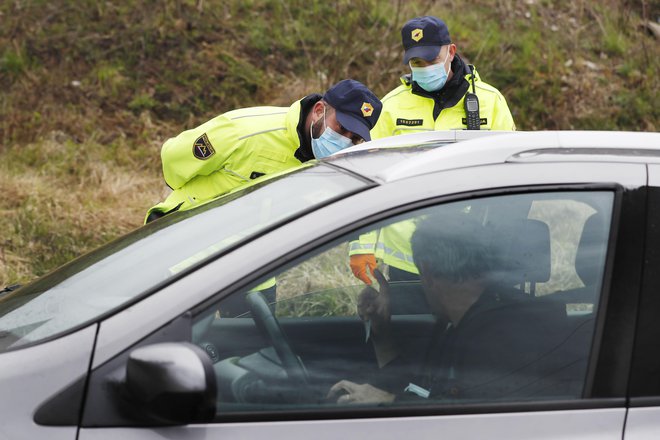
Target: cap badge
[
  {"x": 417, "y": 34},
  {"x": 367, "y": 109}
]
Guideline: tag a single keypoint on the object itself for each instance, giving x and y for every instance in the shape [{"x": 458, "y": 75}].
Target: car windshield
[{"x": 117, "y": 273}]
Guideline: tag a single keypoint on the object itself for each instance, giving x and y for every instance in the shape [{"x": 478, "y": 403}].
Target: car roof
[
  {"x": 444, "y": 136},
  {"x": 399, "y": 157}
]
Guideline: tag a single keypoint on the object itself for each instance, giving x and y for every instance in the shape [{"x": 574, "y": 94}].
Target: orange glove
[{"x": 359, "y": 264}]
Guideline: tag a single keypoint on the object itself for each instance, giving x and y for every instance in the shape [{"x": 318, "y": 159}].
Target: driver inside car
[{"x": 489, "y": 340}]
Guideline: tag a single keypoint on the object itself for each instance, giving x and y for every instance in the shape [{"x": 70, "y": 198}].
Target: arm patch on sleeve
[{"x": 202, "y": 148}]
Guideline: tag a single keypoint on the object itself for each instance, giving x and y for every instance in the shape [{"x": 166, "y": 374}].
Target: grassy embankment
[{"x": 91, "y": 89}]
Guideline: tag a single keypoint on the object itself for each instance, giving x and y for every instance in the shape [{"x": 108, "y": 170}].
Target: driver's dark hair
[{"x": 452, "y": 245}]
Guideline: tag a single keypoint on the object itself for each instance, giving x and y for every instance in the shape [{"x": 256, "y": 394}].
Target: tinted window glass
[{"x": 479, "y": 301}]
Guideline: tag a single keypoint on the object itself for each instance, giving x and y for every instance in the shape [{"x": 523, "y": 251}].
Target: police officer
[
  {"x": 442, "y": 92},
  {"x": 432, "y": 96},
  {"x": 241, "y": 145}
]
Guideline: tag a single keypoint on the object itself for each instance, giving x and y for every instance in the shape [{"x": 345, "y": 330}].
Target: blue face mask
[
  {"x": 329, "y": 142},
  {"x": 431, "y": 78}
]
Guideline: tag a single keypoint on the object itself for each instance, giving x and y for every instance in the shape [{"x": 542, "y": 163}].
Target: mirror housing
[{"x": 172, "y": 382}]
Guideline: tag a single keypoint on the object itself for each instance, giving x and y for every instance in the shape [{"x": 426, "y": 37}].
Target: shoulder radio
[{"x": 473, "y": 121}]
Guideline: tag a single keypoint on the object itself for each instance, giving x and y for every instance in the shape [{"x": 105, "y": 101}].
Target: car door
[{"x": 587, "y": 353}]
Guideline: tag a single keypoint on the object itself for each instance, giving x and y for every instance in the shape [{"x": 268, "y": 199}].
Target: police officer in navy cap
[
  {"x": 241, "y": 145},
  {"x": 433, "y": 96},
  {"x": 350, "y": 111}
]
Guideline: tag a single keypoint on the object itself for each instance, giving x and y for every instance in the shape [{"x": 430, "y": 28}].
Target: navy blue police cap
[
  {"x": 423, "y": 37},
  {"x": 357, "y": 108}
]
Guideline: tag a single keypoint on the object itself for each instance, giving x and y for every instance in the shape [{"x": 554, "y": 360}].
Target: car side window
[{"x": 486, "y": 300}]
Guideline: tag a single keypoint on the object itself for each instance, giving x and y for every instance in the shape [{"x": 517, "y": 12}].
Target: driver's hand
[
  {"x": 350, "y": 392},
  {"x": 374, "y": 306}
]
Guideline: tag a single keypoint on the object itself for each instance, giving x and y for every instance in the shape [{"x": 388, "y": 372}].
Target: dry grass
[{"x": 50, "y": 215}]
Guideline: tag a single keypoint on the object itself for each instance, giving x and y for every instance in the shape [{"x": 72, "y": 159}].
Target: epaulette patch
[{"x": 202, "y": 148}]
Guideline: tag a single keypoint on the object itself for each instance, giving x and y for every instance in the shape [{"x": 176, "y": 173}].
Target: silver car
[{"x": 243, "y": 319}]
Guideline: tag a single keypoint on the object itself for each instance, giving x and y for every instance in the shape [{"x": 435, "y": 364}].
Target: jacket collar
[{"x": 295, "y": 123}]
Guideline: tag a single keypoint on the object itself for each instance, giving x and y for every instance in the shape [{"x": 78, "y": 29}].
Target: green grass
[{"x": 12, "y": 63}]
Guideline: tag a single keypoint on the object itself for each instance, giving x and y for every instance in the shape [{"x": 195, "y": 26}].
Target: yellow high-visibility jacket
[
  {"x": 230, "y": 150},
  {"x": 406, "y": 112},
  {"x": 390, "y": 244}
]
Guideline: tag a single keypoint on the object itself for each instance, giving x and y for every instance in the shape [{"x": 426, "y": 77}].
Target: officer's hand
[{"x": 362, "y": 265}]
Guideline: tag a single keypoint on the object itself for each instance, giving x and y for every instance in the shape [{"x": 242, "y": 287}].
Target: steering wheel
[{"x": 270, "y": 327}]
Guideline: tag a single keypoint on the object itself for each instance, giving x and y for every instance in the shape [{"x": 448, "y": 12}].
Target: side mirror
[{"x": 173, "y": 382}]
